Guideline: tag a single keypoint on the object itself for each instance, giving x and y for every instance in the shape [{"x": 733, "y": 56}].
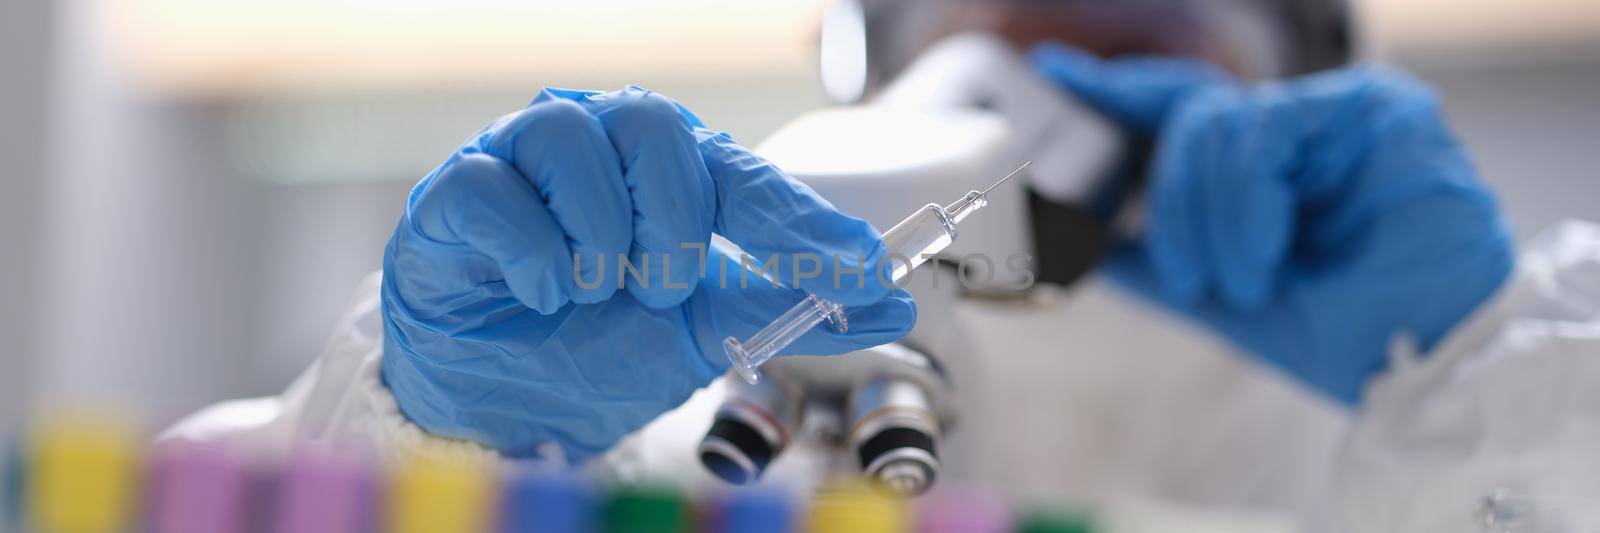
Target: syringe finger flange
[{"x": 833, "y": 312}]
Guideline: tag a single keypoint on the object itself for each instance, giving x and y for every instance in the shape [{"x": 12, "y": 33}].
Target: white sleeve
[
  {"x": 340, "y": 400},
  {"x": 1501, "y": 424}
]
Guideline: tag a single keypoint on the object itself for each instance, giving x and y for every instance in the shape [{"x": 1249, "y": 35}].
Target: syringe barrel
[
  {"x": 917, "y": 239},
  {"x": 749, "y": 355}
]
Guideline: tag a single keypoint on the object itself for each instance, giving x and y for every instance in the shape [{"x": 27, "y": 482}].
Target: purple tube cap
[
  {"x": 963, "y": 510},
  {"x": 324, "y": 492},
  {"x": 196, "y": 489}
]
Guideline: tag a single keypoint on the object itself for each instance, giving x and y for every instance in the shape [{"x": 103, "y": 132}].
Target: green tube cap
[
  {"x": 1056, "y": 521},
  {"x": 646, "y": 510}
]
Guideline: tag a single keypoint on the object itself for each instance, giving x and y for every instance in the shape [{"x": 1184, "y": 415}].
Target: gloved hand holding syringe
[{"x": 912, "y": 242}]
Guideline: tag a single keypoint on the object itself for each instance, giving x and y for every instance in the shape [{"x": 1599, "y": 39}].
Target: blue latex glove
[
  {"x": 492, "y": 337},
  {"x": 1308, "y": 220}
]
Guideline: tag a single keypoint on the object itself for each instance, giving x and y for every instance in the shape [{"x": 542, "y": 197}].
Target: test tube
[
  {"x": 963, "y": 511},
  {"x": 197, "y": 490},
  {"x": 324, "y": 491},
  {"x": 647, "y": 510},
  {"x": 544, "y": 502},
  {"x": 856, "y": 508},
  {"x": 758, "y": 511},
  {"x": 1051, "y": 520},
  {"x": 910, "y": 243},
  {"x": 16, "y": 476},
  {"x": 429, "y": 495},
  {"x": 82, "y": 476}
]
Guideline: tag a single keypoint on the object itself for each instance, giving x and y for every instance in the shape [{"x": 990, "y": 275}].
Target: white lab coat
[
  {"x": 1107, "y": 402},
  {"x": 340, "y": 400}
]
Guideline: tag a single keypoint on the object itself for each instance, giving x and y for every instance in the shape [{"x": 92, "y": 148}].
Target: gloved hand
[
  {"x": 1308, "y": 220},
  {"x": 496, "y": 335}
]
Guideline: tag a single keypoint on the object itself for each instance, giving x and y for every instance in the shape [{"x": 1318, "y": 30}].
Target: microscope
[
  {"x": 883, "y": 410},
  {"x": 968, "y": 110}
]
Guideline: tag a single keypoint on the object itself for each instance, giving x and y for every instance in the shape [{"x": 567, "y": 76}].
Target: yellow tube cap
[
  {"x": 83, "y": 476},
  {"x": 856, "y": 508},
  {"x": 435, "y": 495}
]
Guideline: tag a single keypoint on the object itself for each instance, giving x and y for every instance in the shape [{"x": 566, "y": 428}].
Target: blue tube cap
[
  {"x": 758, "y": 511},
  {"x": 547, "y": 503}
]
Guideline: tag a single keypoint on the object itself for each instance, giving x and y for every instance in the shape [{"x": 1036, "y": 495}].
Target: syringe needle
[{"x": 1008, "y": 176}]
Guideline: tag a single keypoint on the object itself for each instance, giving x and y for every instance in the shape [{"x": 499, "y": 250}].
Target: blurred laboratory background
[{"x": 192, "y": 188}]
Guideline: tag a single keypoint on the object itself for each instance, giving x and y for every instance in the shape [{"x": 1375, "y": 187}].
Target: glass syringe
[{"x": 910, "y": 243}]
